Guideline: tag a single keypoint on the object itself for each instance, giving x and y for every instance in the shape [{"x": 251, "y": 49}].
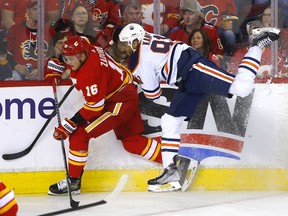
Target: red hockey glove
[
  {"x": 53, "y": 70},
  {"x": 66, "y": 128}
]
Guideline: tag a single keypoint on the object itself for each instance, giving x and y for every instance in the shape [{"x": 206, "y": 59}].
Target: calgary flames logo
[
  {"x": 30, "y": 51},
  {"x": 98, "y": 17}
]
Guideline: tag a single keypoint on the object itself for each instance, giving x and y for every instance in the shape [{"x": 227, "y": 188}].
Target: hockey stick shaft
[
  {"x": 73, "y": 203},
  {"x": 101, "y": 202},
  {"x": 26, "y": 151}
]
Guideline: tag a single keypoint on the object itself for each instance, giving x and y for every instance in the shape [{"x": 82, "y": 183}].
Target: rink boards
[{"x": 241, "y": 143}]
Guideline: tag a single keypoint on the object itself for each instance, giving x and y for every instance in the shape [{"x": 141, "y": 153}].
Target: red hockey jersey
[
  {"x": 100, "y": 79},
  {"x": 214, "y": 10},
  {"x": 19, "y": 8},
  {"x": 23, "y": 45}
]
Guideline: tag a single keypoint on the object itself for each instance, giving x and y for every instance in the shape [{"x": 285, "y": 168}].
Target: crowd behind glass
[{"x": 223, "y": 27}]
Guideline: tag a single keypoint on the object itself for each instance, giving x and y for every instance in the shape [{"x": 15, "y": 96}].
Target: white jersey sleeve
[{"x": 155, "y": 61}]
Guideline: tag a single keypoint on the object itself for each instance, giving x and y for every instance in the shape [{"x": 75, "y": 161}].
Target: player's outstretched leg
[
  {"x": 168, "y": 181},
  {"x": 263, "y": 37},
  {"x": 248, "y": 69},
  {"x": 60, "y": 188}
]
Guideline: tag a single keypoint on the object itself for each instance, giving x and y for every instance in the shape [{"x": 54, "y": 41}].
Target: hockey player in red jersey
[
  {"x": 111, "y": 103},
  {"x": 155, "y": 58}
]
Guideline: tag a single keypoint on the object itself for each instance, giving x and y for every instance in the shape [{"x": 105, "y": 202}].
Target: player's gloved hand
[
  {"x": 66, "y": 128},
  {"x": 54, "y": 70}
]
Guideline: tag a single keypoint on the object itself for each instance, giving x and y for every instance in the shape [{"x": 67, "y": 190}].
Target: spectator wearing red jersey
[
  {"x": 222, "y": 14},
  {"x": 8, "y": 204},
  {"x": 22, "y": 43},
  {"x": 194, "y": 19},
  {"x": 133, "y": 14},
  {"x": 199, "y": 40},
  {"x": 14, "y": 11}
]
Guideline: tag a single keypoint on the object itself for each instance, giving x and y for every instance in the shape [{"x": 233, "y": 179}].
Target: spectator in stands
[
  {"x": 55, "y": 50},
  {"x": 22, "y": 43},
  {"x": 5, "y": 67},
  {"x": 82, "y": 23},
  {"x": 14, "y": 12},
  {"x": 222, "y": 14},
  {"x": 116, "y": 50},
  {"x": 3, "y": 30},
  {"x": 105, "y": 16},
  {"x": 266, "y": 17},
  {"x": 8, "y": 204},
  {"x": 133, "y": 14},
  {"x": 199, "y": 40},
  {"x": 169, "y": 14},
  {"x": 194, "y": 19}
]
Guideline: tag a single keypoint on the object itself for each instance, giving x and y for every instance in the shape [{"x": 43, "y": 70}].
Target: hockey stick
[
  {"x": 26, "y": 151},
  {"x": 120, "y": 185},
  {"x": 73, "y": 203}
]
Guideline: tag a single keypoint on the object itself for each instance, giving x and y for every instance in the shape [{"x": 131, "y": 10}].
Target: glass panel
[{"x": 232, "y": 20}]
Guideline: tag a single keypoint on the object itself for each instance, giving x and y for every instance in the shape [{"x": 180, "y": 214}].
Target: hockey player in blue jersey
[{"x": 155, "y": 58}]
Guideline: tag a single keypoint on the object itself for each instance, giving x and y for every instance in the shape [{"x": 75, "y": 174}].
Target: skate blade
[
  {"x": 265, "y": 29},
  {"x": 76, "y": 192},
  {"x": 190, "y": 174},
  {"x": 169, "y": 187}
]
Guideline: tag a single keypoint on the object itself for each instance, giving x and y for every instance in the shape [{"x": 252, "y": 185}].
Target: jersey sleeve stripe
[
  {"x": 103, "y": 117},
  {"x": 213, "y": 72}
]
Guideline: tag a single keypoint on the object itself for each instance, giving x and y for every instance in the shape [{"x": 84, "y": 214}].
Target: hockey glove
[
  {"x": 53, "y": 70},
  {"x": 66, "y": 128}
]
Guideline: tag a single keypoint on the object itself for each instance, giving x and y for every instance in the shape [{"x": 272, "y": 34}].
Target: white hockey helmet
[{"x": 131, "y": 32}]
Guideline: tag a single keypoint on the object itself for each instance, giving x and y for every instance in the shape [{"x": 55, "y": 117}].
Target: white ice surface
[{"x": 168, "y": 204}]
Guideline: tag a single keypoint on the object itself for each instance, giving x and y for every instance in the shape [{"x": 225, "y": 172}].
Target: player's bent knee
[{"x": 242, "y": 85}]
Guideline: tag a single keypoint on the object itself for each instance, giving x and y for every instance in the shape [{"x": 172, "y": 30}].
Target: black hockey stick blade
[
  {"x": 101, "y": 202},
  {"x": 119, "y": 187},
  {"x": 26, "y": 151}
]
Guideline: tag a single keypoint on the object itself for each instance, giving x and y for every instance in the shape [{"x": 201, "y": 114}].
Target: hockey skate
[
  {"x": 168, "y": 181},
  {"x": 187, "y": 168},
  {"x": 263, "y": 37},
  {"x": 60, "y": 188},
  {"x": 178, "y": 175}
]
